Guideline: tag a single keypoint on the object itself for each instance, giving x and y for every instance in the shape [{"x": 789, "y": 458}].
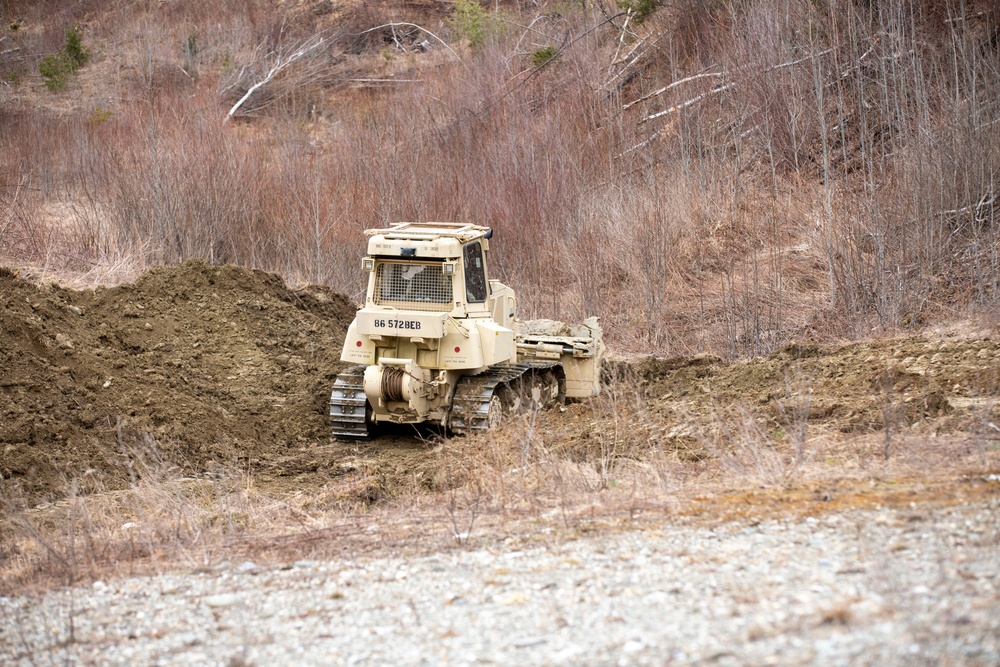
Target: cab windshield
[{"x": 414, "y": 285}]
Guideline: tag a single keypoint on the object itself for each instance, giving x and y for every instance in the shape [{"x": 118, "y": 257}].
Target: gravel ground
[{"x": 874, "y": 587}]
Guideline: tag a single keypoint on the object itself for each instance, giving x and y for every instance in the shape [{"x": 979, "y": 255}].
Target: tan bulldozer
[{"x": 438, "y": 341}]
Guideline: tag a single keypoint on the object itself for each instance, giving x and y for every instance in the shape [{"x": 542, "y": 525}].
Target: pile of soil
[
  {"x": 191, "y": 366},
  {"x": 700, "y": 406},
  {"x": 852, "y": 388}
]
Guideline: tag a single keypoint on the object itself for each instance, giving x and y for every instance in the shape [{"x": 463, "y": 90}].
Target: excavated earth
[
  {"x": 192, "y": 366},
  {"x": 195, "y": 367}
]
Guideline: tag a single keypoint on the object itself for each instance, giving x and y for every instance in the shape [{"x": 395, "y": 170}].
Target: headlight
[
  {"x": 368, "y": 264},
  {"x": 448, "y": 269}
]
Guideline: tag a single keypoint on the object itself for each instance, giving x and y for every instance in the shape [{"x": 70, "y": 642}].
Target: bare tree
[{"x": 277, "y": 61}]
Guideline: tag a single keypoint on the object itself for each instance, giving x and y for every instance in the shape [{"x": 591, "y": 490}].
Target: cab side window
[{"x": 475, "y": 273}]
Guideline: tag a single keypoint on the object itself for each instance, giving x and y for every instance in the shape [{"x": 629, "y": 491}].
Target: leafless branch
[
  {"x": 716, "y": 90},
  {"x": 690, "y": 102},
  {"x": 385, "y": 80},
  {"x": 811, "y": 56},
  {"x": 660, "y": 91},
  {"x": 530, "y": 28},
  {"x": 626, "y": 58},
  {"x": 399, "y": 24},
  {"x": 13, "y": 203},
  {"x": 985, "y": 202},
  {"x": 621, "y": 35},
  {"x": 281, "y": 62},
  {"x": 628, "y": 65}
]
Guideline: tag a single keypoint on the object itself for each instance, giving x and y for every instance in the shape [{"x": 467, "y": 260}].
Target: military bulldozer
[{"x": 438, "y": 341}]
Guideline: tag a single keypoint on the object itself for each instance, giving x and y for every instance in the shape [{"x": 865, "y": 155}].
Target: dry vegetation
[
  {"x": 712, "y": 175},
  {"x": 705, "y": 175},
  {"x": 514, "y": 489}
]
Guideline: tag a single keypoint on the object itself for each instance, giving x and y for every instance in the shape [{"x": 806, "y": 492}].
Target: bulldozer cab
[{"x": 436, "y": 267}]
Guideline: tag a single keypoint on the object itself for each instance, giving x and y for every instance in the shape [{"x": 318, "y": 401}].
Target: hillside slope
[{"x": 705, "y": 176}]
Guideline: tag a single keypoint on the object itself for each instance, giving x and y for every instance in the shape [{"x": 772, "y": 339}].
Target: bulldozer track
[
  {"x": 471, "y": 405},
  {"x": 348, "y": 404}
]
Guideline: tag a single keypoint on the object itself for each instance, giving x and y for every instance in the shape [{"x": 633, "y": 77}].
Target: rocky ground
[{"x": 914, "y": 586}]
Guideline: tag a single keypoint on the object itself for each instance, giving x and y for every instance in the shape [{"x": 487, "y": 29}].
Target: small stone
[
  {"x": 515, "y": 599},
  {"x": 74, "y": 310},
  {"x": 64, "y": 341},
  {"x": 531, "y": 641},
  {"x": 221, "y": 600},
  {"x": 148, "y": 326},
  {"x": 633, "y": 646}
]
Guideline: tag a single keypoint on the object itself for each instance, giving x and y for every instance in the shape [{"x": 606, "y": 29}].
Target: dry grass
[
  {"x": 163, "y": 521},
  {"x": 607, "y": 463}
]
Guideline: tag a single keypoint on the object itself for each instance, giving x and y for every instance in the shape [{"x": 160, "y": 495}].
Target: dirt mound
[
  {"x": 193, "y": 364},
  {"x": 698, "y": 406}
]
